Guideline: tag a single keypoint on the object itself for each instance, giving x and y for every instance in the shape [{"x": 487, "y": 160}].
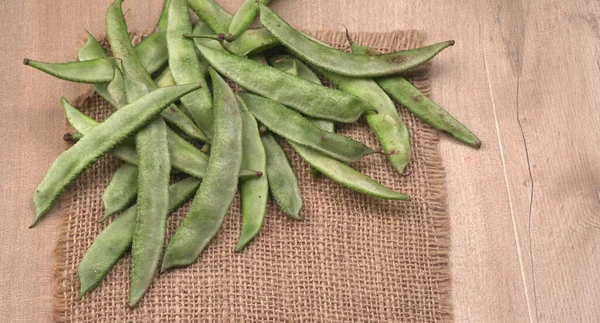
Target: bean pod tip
[{"x": 25, "y": 61}]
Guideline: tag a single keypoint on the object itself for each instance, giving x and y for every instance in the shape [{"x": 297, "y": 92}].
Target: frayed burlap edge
[{"x": 440, "y": 240}]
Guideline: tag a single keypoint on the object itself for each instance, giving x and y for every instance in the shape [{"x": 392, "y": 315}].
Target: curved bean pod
[
  {"x": 92, "y": 49},
  {"x": 186, "y": 67},
  {"x": 254, "y": 192},
  {"x": 390, "y": 130},
  {"x": 420, "y": 105},
  {"x": 304, "y": 96},
  {"x": 293, "y": 126},
  {"x": 100, "y": 70},
  {"x": 112, "y": 243},
  {"x": 153, "y": 163},
  {"x": 344, "y": 63},
  {"x": 243, "y": 18},
  {"x": 219, "y": 185},
  {"x": 283, "y": 184},
  {"x": 212, "y": 14},
  {"x": 121, "y": 190},
  {"x": 100, "y": 140},
  {"x": 346, "y": 175}
]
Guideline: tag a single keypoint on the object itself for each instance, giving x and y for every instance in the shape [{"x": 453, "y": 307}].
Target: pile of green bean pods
[{"x": 170, "y": 97}]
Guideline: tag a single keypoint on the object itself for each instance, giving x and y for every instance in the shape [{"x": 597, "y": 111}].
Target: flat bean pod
[
  {"x": 283, "y": 184},
  {"x": 212, "y": 14},
  {"x": 390, "y": 130},
  {"x": 304, "y": 96},
  {"x": 420, "y": 105},
  {"x": 346, "y": 175},
  {"x": 92, "y": 49},
  {"x": 121, "y": 190},
  {"x": 153, "y": 163},
  {"x": 252, "y": 41},
  {"x": 185, "y": 65},
  {"x": 243, "y": 18},
  {"x": 100, "y": 70},
  {"x": 112, "y": 243},
  {"x": 254, "y": 192},
  {"x": 219, "y": 186},
  {"x": 100, "y": 140},
  {"x": 293, "y": 126},
  {"x": 344, "y": 63}
]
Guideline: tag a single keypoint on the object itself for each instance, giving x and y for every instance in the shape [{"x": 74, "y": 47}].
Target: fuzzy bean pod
[
  {"x": 219, "y": 186},
  {"x": 344, "y": 63},
  {"x": 254, "y": 192}
]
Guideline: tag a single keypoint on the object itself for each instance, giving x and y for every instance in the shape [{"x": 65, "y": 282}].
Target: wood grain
[{"x": 524, "y": 75}]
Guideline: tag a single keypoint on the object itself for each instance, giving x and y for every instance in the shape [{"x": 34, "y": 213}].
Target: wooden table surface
[{"x": 524, "y": 75}]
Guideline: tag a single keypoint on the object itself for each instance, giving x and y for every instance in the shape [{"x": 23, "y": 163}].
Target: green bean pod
[
  {"x": 152, "y": 52},
  {"x": 100, "y": 70},
  {"x": 219, "y": 186},
  {"x": 254, "y": 191},
  {"x": 100, "y": 140},
  {"x": 293, "y": 126},
  {"x": 420, "y": 105},
  {"x": 212, "y": 14},
  {"x": 153, "y": 163},
  {"x": 346, "y": 175},
  {"x": 186, "y": 67},
  {"x": 403, "y": 92},
  {"x": 112, "y": 243},
  {"x": 304, "y": 96},
  {"x": 344, "y": 63},
  {"x": 283, "y": 184},
  {"x": 390, "y": 130},
  {"x": 243, "y": 18},
  {"x": 184, "y": 156},
  {"x": 252, "y": 41},
  {"x": 92, "y": 49},
  {"x": 121, "y": 190}
]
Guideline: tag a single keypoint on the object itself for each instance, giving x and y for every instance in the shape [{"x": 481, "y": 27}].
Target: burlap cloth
[{"x": 353, "y": 258}]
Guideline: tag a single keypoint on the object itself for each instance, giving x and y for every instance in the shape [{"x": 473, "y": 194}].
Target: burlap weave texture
[{"x": 353, "y": 258}]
